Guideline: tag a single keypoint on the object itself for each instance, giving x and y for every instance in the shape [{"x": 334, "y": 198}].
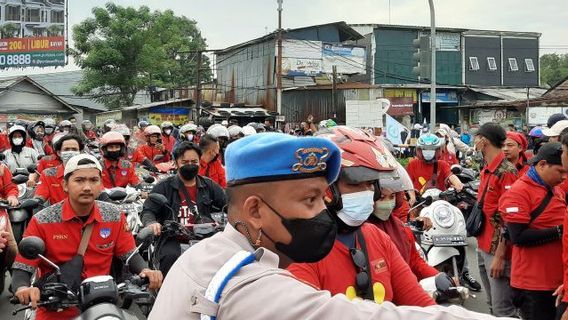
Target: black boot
[{"x": 470, "y": 282}]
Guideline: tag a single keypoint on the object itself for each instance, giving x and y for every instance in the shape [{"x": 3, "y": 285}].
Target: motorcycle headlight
[{"x": 444, "y": 216}]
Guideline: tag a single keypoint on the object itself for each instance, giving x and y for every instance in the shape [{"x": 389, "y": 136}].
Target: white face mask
[
  {"x": 18, "y": 141},
  {"x": 66, "y": 155},
  {"x": 168, "y": 131},
  {"x": 428, "y": 154},
  {"x": 357, "y": 207},
  {"x": 384, "y": 208},
  {"x": 189, "y": 137}
]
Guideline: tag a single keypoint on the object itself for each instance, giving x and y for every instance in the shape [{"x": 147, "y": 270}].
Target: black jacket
[{"x": 210, "y": 199}]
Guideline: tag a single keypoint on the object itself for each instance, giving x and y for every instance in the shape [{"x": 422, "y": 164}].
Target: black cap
[
  {"x": 551, "y": 152},
  {"x": 555, "y": 118}
]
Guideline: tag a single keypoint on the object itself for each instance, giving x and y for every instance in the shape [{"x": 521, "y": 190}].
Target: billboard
[
  {"x": 301, "y": 58},
  {"x": 32, "y": 33},
  {"x": 347, "y": 59}
]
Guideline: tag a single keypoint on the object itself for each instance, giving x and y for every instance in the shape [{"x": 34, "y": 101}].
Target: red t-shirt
[
  {"x": 450, "y": 158},
  {"x": 535, "y": 267},
  {"x": 135, "y": 156},
  {"x": 391, "y": 276},
  {"x": 4, "y": 142},
  {"x": 187, "y": 211},
  {"x": 501, "y": 174},
  {"x": 124, "y": 174},
  {"x": 401, "y": 211},
  {"x": 7, "y": 188},
  {"x": 168, "y": 142},
  {"x": 60, "y": 228},
  {"x": 421, "y": 172}
]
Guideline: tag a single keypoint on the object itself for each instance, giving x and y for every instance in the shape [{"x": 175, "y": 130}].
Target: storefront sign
[
  {"x": 441, "y": 97},
  {"x": 176, "y": 119},
  {"x": 401, "y": 106}
]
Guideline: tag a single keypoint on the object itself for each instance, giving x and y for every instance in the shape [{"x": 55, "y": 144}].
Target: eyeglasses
[{"x": 362, "y": 278}]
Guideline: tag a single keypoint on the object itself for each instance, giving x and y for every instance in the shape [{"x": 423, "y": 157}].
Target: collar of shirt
[
  {"x": 492, "y": 167},
  {"x": 109, "y": 164},
  {"x": 67, "y": 212},
  {"x": 60, "y": 171},
  {"x": 263, "y": 255},
  {"x": 533, "y": 175}
]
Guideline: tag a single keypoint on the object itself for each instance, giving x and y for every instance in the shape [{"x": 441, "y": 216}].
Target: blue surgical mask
[{"x": 357, "y": 207}]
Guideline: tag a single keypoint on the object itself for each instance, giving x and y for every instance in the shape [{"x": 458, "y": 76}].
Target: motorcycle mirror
[
  {"x": 116, "y": 195},
  {"x": 158, "y": 199},
  {"x": 428, "y": 201},
  {"x": 158, "y": 157},
  {"x": 19, "y": 179},
  {"x": 2, "y": 157},
  {"x": 32, "y": 168},
  {"x": 149, "y": 179},
  {"x": 456, "y": 169},
  {"x": 31, "y": 247}
]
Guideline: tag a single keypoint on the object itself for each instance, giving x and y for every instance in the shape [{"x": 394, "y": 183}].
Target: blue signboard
[
  {"x": 170, "y": 110},
  {"x": 441, "y": 96}
]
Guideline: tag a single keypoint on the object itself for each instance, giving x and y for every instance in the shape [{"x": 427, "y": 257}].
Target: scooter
[
  {"x": 130, "y": 202},
  {"x": 98, "y": 297}
]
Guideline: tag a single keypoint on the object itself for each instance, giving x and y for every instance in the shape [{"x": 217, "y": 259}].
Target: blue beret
[{"x": 276, "y": 156}]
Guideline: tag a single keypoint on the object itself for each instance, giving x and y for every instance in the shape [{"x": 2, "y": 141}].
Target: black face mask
[
  {"x": 312, "y": 239},
  {"x": 113, "y": 155},
  {"x": 189, "y": 171}
]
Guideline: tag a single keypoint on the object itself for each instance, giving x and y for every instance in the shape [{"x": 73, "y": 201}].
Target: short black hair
[
  {"x": 564, "y": 139},
  {"x": 207, "y": 141},
  {"x": 80, "y": 163},
  {"x": 185, "y": 146},
  {"x": 494, "y": 133},
  {"x": 57, "y": 146}
]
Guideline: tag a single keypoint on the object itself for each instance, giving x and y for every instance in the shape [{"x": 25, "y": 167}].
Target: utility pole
[
  {"x": 433, "y": 63},
  {"x": 198, "y": 86},
  {"x": 334, "y": 89},
  {"x": 279, "y": 61}
]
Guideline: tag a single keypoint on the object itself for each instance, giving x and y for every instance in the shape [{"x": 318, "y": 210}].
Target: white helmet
[
  {"x": 167, "y": 124},
  {"x": 122, "y": 129},
  {"x": 235, "y": 130},
  {"x": 248, "y": 130},
  {"x": 218, "y": 130},
  {"x": 187, "y": 128}
]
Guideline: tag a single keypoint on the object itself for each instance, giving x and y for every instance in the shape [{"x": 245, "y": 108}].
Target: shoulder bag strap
[
  {"x": 85, "y": 239},
  {"x": 536, "y": 212},
  {"x": 369, "y": 292},
  {"x": 434, "y": 178}
]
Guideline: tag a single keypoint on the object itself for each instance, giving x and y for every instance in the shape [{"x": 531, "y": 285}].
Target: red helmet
[
  {"x": 112, "y": 137},
  {"x": 362, "y": 159}
]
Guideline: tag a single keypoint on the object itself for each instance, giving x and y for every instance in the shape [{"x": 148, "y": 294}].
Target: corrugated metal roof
[
  {"x": 8, "y": 82},
  {"x": 510, "y": 94},
  {"x": 157, "y": 104},
  {"x": 559, "y": 89},
  {"x": 452, "y": 29}
]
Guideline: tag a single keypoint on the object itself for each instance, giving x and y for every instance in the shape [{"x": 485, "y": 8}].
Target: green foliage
[
  {"x": 404, "y": 161},
  {"x": 8, "y": 30},
  {"x": 553, "y": 68},
  {"x": 123, "y": 50}
]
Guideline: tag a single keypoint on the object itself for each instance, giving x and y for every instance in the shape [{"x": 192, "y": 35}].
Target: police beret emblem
[{"x": 310, "y": 160}]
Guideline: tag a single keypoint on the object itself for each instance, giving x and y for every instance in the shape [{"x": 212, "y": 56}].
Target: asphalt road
[{"x": 476, "y": 302}]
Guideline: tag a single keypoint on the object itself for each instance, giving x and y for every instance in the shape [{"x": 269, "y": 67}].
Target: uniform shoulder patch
[
  {"x": 51, "y": 214},
  {"x": 109, "y": 211},
  {"x": 125, "y": 164},
  {"x": 50, "y": 172},
  {"x": 504, "y": 167}
]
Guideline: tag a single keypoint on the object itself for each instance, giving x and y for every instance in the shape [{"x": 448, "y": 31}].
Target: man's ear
[
  {"x": 65, "y": 186},
  {"x": 251, "y": 211}
]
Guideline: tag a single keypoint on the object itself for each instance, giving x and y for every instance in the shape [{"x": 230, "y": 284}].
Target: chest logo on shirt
[
  {"x": 379, "y": 265},
  {"x": 104, "y": 233},
  {"x": 60, "y": 237},
  {"x": 123, "y": 173}
]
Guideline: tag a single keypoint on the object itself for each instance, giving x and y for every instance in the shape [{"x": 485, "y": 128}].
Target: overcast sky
[{"x": 227, "y": 22}]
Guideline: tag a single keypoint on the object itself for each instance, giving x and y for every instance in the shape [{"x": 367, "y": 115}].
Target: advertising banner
[
  {"x": 301, "y": 57},
  {"x": 32, "y": 34},
  {"x": 347, "y": 59}
]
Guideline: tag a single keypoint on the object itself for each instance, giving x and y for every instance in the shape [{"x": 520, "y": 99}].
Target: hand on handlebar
[
  {"x": 13, "y": 201},
  {"x": 28, "y": 294},
  {"x": 155, "y": 277},
  {"x": 156, "y": 227}
]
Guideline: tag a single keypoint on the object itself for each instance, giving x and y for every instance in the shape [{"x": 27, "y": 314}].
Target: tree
[
  {"x": 123, "y": 50},
  {"x": 9, "y": 30},
  {"x": 55, "y": 31},
  {"x": 553, "y": 68}
]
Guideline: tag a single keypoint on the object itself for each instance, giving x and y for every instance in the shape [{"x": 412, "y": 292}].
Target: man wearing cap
[
  {"x": 277, "y": 215},
  {"x": 534, "y": 210},
  {"x": 553, "y": 133},
  {"x": 61, "y": 226},
  {"x": 514, "y": 150},
  {"x": 494, "y": 252}
]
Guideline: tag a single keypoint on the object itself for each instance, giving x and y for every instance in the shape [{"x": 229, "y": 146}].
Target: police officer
[
  {"x": 60, "y": 227},
  {"x": 277, "y": 215}
]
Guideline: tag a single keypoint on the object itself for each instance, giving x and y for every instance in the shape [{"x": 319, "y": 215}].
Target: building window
[
  {"x": 12, "y": 13},
  {"x": 473, "y": 63},
  {"x": 57, "y": 17},
  {"x": 529, "y": 65},
  {"x": 491, "y": 64},
  {"x": 33, "y": 15},
  {"x": 513, "y": 66}
]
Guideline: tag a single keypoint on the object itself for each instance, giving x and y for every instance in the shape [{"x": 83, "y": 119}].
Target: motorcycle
[
  {"x": 20, "y": 215},
  {"x": 130, "y": 202},
  {"x": 98, "y": 297},
  {"x": 187, "y": 235}
]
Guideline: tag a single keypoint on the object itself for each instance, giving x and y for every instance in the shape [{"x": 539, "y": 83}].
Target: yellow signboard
[{"x": 176, "y": 119}]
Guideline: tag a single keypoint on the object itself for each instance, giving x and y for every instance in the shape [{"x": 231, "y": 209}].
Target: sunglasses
[{"x": 362, "y": 279}]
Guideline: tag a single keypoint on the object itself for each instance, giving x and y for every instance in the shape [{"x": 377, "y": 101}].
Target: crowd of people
[{"x": 318, "y": 218}]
